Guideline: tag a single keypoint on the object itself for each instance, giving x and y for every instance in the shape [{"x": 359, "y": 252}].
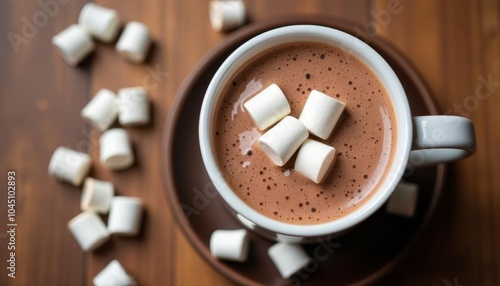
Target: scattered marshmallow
[
  {"x": 116, "y": 150},
  {"x": 134, "y": 42},
  {"x": 101, "y": 22},
  {"x": 125, "y": 216},
  {"x": 96, "y": 195},
  {"x": 226, "y": 15},
  {"x": 281, "y": 141},
  {"x": 89, "y": 230},
  {"x": 73, "y": 44},
  {"x": 268, "y": 106},
  {"x": 321, "y": 113},
  {"x": 69, "y": 165},
  {"x": 403, "y": 200},
  {"x": 134, "y": 106},
  {"x": 230, "y": 244},
  {"x": 102, "y": 110},
  {"x": 288, "y": 258},
  {"x": 113, "y": 274},
  {"x": 314, "y": 160}
]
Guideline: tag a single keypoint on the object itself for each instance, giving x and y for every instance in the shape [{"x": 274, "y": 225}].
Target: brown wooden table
[{"x": 455, "y": 45}]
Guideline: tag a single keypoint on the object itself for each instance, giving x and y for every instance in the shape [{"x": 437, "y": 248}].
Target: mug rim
[{"x": 362, "y": 52}]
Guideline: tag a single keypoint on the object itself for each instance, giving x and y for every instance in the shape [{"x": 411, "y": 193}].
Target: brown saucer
[{"x": 362, "y": 255}]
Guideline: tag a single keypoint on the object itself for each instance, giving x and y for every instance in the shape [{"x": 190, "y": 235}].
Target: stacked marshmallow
[
  {"x": 75, "y": 42},
  {"x": 319, "y": 117}
]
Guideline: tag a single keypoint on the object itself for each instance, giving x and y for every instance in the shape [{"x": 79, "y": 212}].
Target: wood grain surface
[{"x": 454, "y": 45}]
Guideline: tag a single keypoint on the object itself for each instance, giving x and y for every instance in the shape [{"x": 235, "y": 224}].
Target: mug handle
[{"x": 441, "y": 139}]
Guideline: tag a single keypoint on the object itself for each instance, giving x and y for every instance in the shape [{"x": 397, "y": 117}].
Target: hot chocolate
[{"x": 365, "y": 136}]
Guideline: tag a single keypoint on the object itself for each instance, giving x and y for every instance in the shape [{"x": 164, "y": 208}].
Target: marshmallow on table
[
  {"x": 102, "y": 110},
  {"x": 115, "y": 149},
  {"x": 268, "y": 106},
  {"x": 101, "y": 22},
  {"x": 96, "y": 195},
  {"x": 403, "y": 200},
  {"x": 314, "y": 160},
  {"x": 89, "y": 230},
  {"x": 321, "y": 113},
  {"x": 113, "y": 274},
  {"x": 69, "y": 165},
  {"x": 125, "y": 216},
  {"x": 288, "y": 258},
  {"x": 227, "y": 15},
  {"x": 281, "y": 141},
  {"x": 134, "y": 42},
  {"x": 74, "y": 44},
  {"x": 230, "y": 244},
  {"x": 134, "y": 106}
]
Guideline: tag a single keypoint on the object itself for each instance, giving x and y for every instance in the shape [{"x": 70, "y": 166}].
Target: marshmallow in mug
[
  {"x": 101, "y": 22},
  {"x": 69, "y": 166},
  {"x": 125, "y": 216},
  {"x": 96, "y": 195},
  {"x": 134, "y": 106},
  {"x": 403, "y": 201},
  {"x": 314, "y": 160},
  {"x": 73, "y": 44},
  {"x": 113, "y": 274},
  {"x": 268, "y": 107},
  {"x": 321, "y": 113},
  {"x": 115, "y": 149},
  {"x": 288, "y": 258},
  {"x": 134, "y": 42},
  {"x": 102, "y": 110},
  {"x": 226, "y": 15},
  {"x": 230, "y": 244},
  {"x": 280, "y": 142},
  {"x": 89, "y": 230}
]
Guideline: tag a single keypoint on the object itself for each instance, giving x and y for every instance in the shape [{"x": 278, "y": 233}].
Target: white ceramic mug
[{"x": 420, "y": 140}]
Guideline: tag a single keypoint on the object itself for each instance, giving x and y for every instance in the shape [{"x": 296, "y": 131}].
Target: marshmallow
[
  {"x": 96, "y": 195},
  {"x": 116, "y": 152},
  {"x": 268, "y": 107},
  {"x": 288, "y": 258},
  {"x": 403, "y": 200},
  {"x": 314, "y": 160},
  {"x": 113, "y": 274},
  {"x": 320, "y": 114},
  {"x": 89, "y": 230},
  {"x": 69, "y": 165},
  {"x": 134, "y": 106},
  {"x": 73, "y": 44},
  {"x": 101, "y": 22},
  {"x": 281, "y": 141},
  {"x": 134, "y": 42},
  {"x": 125, "y": 216},
  {"x": 226, "y": 15},
  {"x": 102, "y": 110},
  {"x": 230, "y": 244}
]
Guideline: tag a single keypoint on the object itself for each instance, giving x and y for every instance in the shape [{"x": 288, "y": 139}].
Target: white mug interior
[{"x": 328, "y": 36}]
